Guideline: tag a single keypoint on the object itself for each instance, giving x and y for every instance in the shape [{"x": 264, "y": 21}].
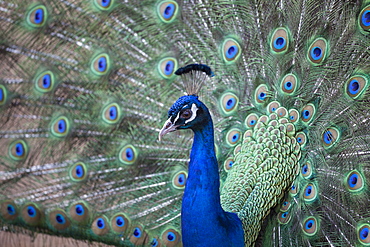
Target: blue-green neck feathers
[{"x": 204, "y": 222}]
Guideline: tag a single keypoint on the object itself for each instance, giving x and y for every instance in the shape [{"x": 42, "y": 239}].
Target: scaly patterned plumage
[{"x": 84, "y": 91}]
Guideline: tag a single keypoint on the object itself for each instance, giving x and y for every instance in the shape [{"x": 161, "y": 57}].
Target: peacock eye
[{"x": 186, "y": 114}]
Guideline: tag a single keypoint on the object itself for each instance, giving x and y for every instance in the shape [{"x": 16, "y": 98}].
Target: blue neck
[{"x": 204, "y": 222}]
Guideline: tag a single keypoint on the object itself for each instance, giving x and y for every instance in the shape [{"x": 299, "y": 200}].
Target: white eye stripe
[{"x": 194, "y": 110}]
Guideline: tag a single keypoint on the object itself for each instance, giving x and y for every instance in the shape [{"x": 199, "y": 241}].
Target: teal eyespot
[
  {"x": 31, "y": 214},
  {"x": 233, "y": 137},
  {"x": 231, "y": 50},
  {"x": 229, "y": 103},
  {"x": 317, "y": 51},
  {"x": 306, "y": 170},
  {"x": 280, "y": 40},
  {"x": 111, "y": 113},
  {"x": 228, "y": 164},
  {"x": 289, "y": 84},
  {"x": 37, "y": 16},
  {"x": 59, "y": 220},
  {"x": 45, "y": 82},
  {"x": 3, "y": 95},
  {"x": 261, "y": 94},
  {"x": 79, "y": 212},
  {"x": 100, "y": 64},
  {"x": 330, "y": 136},
  {"x": 60, "y": 127},
  {"x": 310, "y": 192},
  {"x": 301, "y": 139},
  {"x": 310, "y": 226},
  {"x": 8, "y": 210},
  {"x": 167, "y": 67},
  {"x": 104, "y": 4},
  {"x": 364, "y": 18},
  {"x": 179, "y": 180},
  {"x": 354, "y": 181},
  {"x": 18, "y": 150},
  {"x": 139, "y": 236},
  {"x": 308, "y": 113},
  {"x": 100, "y": 226},
  {"x": 251, "y": 120},
  {"x": 293, "y": 115},
  {"x": 78, "y": 172},
  {"x": 170, "y": 238},
  {"x": 363, "y": 234},
  {"x": 167, "y": 11},
  {"x": 128, "y": 155},
  {"x": 284, "y": 217},
  {"x": 356, "y": 86},
  {"x": 120, "y": 223},
  {"x": 272, "y": 107}
]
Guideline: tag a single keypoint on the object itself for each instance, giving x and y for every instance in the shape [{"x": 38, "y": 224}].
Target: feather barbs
[{"x": 193, "y": 77}]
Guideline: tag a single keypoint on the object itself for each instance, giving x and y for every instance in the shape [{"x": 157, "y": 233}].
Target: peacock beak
[{"x": 167, "y": 127}]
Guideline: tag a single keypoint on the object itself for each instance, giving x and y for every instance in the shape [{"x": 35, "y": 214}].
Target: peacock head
[{"x": 188, "y": 112}]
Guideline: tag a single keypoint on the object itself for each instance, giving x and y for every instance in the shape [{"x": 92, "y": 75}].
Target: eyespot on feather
[
  {"x": 229, "y": 103},
  {"x": 363, "y": 234},
  {"x": 317, "y": 51},
  {"x": 100, "y": 225},
  {"x": 294, "y": 189},
  {"x": 170, "y": 237},
  {"x": 228, "y": 164},
  {"x": 231, "y": 50},
  {"x": 37, "y": 16},
  {"x": 111, "y": 113},
  {"x": 310, "y": 192},
  {"x": 79, "y": 212},
  {"x": 60, "y": 127},
  {"x": 233, "y": 136},
  {"x": 301, "y": 139},
  {"x": 354, "y": 181},
  {"x": 293, "y": 115},
  {"x": 155, "y": 242},
  {"x": 330, "y": 137},
  {"x": 100, "y": 64},
  {"x": 120, "y": 223},
  {"x": 251, "y": 120},
  {"x": 356, "y": 86},
  {"x": 310, "y": 226},
  {"x": 18, "y": 150},
  {"x": 104, "y": 4},
  {"x": 59, "y": 220},
  {"x": 45, "y": 82},
  {"x": 308, "y": 113},
  {"x": 272, "y": 107},
  {"x": 31, "y": 214},
  {"x": 306, "y": 170},
  {"x": 167, "y": 11},
  {"x": 139, "y": 236},
  {"x": 3, "y": 95},
  {"x": 128, "y": 155},
  {"x": 289, "y": 84},
  {"x": 285, "y": 206},
  {"x": 280, "y": 40},
  {"x": 167, "y": 67},
  {"x": 78, "y": 172},
  {"x": 364, "y": 18},
  {"x": 283, "y": 217},
  {"x": 179, "y": 180},
  {"x": 261, "y": 94},
  {"x": 8, "y": 210}
]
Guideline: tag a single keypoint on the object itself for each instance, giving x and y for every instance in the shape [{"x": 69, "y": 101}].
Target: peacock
[{"x": 184, "y": 123}]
